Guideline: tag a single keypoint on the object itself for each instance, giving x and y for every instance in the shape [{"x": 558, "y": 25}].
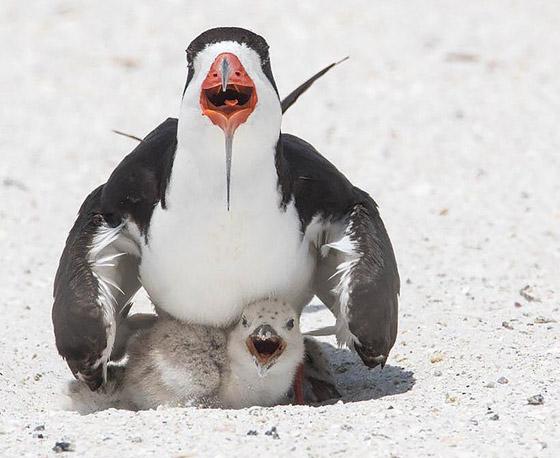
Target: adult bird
[{"x": 220, "y": 208}]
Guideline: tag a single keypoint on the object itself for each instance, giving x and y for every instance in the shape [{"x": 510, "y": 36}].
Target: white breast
[
  {"x": 244, "y": 388},
  {"x": 203, "y": 264}
]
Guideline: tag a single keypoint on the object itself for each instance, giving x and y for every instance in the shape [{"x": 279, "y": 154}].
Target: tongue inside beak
[
  {"x": 265, "y": 350},
  {"x": 228, "y": 96}
]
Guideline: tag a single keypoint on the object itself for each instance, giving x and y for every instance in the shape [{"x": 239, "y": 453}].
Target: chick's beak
[{"x": 265, "y": 345}]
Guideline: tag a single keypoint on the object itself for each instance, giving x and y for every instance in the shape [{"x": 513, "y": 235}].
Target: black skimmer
[{"x": 223, "y": 208}]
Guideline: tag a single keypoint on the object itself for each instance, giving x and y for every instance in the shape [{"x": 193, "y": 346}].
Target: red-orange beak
[{"x": 228, "y": 94}]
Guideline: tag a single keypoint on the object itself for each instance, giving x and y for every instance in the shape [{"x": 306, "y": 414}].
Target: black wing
[
  {"x": 98, "y": 271},
  {"x": 356, "y": 276}
]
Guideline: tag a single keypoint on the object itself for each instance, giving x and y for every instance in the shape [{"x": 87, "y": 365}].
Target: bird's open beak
[
  {"x": 265, "y": 345},
  {"x": 228, "y": 96}
]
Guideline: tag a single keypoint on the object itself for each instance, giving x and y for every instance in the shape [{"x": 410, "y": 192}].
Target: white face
[
  {"x": 267, "y": 115},
  {"x": 267, "y": 338}
]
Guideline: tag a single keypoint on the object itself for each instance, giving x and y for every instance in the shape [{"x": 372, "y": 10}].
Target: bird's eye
[
  {"x": 244, "y": 321},
  {"x": 290, "y": 324}
]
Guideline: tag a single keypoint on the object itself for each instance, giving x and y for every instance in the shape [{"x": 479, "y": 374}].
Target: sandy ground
[{"x": 447, "y": 113}]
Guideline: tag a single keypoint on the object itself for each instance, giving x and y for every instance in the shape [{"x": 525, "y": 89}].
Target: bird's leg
[{"x": 298, "y": 384}]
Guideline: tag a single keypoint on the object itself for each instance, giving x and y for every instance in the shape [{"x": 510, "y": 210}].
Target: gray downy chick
[{"x": 176, "y": 364}]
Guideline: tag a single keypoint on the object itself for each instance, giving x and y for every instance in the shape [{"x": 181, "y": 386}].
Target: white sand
[{"x": 448, "y": 113}]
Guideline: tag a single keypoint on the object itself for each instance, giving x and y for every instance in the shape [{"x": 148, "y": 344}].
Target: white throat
[
  {"x": 199, "y": 169},
  {"x": 242, "y": 386}
]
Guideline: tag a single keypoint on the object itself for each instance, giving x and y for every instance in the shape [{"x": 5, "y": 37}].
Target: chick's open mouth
[{"x": 266, "y": 350}]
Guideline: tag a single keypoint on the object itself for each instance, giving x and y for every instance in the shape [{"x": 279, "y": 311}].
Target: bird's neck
[
  {"x": 199, "y": 169},
  {"x": 241, "y": 386}
]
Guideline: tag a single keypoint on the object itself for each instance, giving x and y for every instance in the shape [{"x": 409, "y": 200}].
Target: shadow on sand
[{"x": 356, "y": 382}]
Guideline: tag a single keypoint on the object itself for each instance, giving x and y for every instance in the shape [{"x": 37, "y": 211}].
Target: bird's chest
[
  {"x": 203, "y": 263},
  {"x": 245, "y": 388}
]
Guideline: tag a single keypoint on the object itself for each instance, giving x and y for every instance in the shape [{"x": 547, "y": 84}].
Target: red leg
[{"x": 298, "y": 384}]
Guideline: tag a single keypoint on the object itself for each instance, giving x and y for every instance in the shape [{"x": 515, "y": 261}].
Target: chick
[{"x": 173, "y": 363}]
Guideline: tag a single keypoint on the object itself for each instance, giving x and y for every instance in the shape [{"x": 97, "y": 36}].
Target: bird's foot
[{"x": 298, "y": 384}]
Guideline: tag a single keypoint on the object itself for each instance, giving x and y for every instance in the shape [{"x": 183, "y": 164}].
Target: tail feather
[{"x": 291, "y": 98}]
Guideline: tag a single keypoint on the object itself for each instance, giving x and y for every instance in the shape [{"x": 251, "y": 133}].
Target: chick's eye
[
  {"x": 290, "y": 324},
  {"x": 244, "y": 321}
]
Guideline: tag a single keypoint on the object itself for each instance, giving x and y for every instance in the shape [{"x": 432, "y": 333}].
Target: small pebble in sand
[
  {"x": 450, "y": 399},
  {"x": 136, "y": 439},
  {"x": 12, "y": 183},
  {"x": 39, "y": 428},
  {"x": 544, "y": 320},
  {"x": 63, "y": 446},
  {"x": 436, "y": 358},
  {"x": 536, "y": 400},
  {"x": 517, "y": 305},
  {"x": 252, "y": 432},
  {"x": 528, "y": 295},
  {"x": 437, "y": 373},
  {"x": 503, "y": 380},
  {"x": 495, "y": 417},
  {"x": 273, "y": 432},
  {"x": 507, "y": 325},
  {"x": 490, "y": 385}
]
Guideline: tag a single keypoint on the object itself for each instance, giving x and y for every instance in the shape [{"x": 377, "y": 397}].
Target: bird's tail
[{"x": 291, "y": 98}]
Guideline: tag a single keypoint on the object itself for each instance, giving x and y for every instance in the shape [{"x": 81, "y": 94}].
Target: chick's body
[{"x": 175, "y": 363}]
